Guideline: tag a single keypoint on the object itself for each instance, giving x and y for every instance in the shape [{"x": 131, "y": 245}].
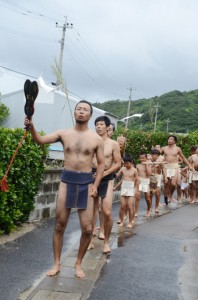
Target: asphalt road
[{"x": 157, "y": 262}]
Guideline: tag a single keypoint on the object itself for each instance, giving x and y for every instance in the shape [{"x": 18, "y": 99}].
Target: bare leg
[
  {"x": 122, "y": 209},
  {"x": 96, "y": 206},
  {"x": 193, "y": 192},
  {"x": 157, "y": 197},
  {"x": 148, "y": 202},
  {"x": 86, "y": 223},
  {"x": 137, "y": 201},
  {"x": 108, "y": 219},
  {"x": 131, "y": 211},
  {"x": 151, "y": 199},
  {"x": 172, "y": 186},
  {"x": 62, "y": 216},
  {"x": 179, "y": 192},
  {"x": 101, "y": 229}
]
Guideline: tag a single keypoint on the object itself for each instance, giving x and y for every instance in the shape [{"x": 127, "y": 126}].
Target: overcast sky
[{"x": 149, "y": 45}]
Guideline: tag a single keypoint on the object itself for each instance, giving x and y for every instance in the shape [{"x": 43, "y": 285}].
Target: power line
[{"x": 26, "y": 12}]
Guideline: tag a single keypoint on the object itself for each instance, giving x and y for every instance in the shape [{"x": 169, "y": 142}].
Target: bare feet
[
  {"x": 148, "y": 213},
  {"x": 54, "y": 270},
  {"x": 191, "y": 202},
  {"x": 101, "y": 236},
  {"x": 130, "y": 225},
  {"x": 106, "y": 248},
  {"x": 173, "y": 200},
  {"x": 136, "y": 215},
  {"x": 119, "y": 221},
  {"x": 157, "y": 211},
  {"x": 79, "y": 271},
  {"x": 120, "y": 225},
  {"x": 91, "y": 246}
]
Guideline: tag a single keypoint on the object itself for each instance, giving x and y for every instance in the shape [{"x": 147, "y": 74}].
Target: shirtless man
[
  {"x": 129, "y": 188},
  {"x": 193, "y": 175},
  {"x": 121, "y": 139},
  {"x": 171, "y": 168},
  {"x": 144, "y": 171},
  {"x": 110, "y": 130},
  {"x": 105, "y": 189},
  {"x": 80, "y": 144}
]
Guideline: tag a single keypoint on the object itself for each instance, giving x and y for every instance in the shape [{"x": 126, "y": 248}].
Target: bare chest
[{"x": 79, "y": 145}]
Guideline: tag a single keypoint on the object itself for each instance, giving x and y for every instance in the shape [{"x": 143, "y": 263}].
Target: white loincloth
[
  {"x": 144, "y": 185},
  {"x": 193, "y": 176},
  {"x": 171, "y": 169},
  {"x": 159, "y": 180},
  {"x": 127, "y": 188},
  {"x": 184, "y": 185}
]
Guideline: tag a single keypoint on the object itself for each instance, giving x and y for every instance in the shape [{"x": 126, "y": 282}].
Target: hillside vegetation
[{"x": 180, "y": 108}]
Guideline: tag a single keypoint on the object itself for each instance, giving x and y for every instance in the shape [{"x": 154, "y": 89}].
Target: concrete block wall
[{"x": 45, "y": 200}]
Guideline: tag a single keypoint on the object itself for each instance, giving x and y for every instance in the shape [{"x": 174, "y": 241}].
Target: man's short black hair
[
  {"x": 193, "y": 148},
  {"x": 155, "y": 151},
  {"x": 173, "y": 136},
  {"x": 113, "y": 126},
  {"x": 87, "y": 102},
  {"x": 104, "y": 119},
  {"x": 127, "y": 157},
  {"x": 143, "y": 153}
]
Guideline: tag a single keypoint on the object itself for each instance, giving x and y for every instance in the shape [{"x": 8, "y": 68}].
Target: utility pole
[
  {"x": 167, "y": 121},
  {"x": 156, "y": 112},
  {"x": 129, "y": 106},
  {"x": 62, "y": 41}
]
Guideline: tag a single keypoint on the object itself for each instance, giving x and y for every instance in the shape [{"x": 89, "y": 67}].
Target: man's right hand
[{"x": 28, "y": 123}]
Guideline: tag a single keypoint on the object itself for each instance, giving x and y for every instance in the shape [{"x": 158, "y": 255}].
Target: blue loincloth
[
  {"x": 77, "y": 188},
  {"x": 102, "y": 188}
]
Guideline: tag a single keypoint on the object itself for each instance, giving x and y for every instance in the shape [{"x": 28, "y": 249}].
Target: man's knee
[
  {"x": 173, "y": 184},
  {"x": 87, "y": 231},
  {"x": 60, "y": 227},
  {"x": 107, "y": 214}
]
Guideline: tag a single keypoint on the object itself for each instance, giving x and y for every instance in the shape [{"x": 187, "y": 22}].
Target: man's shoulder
[{"x": 114, "y": 143}]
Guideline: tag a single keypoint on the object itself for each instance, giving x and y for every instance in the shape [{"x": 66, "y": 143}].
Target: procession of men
[{"x": 96, "y": 165}]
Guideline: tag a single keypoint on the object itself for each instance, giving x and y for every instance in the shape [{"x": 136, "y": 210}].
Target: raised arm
[{"x": 47, "y": 139}]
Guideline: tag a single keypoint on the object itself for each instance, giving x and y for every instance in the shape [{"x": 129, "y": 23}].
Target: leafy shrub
[
  {"x": 23, "y": 178},
  {"x": 139, "y": 141}
]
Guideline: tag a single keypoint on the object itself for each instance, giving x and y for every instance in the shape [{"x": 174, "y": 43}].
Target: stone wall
[{"x": 45, "y": 201}]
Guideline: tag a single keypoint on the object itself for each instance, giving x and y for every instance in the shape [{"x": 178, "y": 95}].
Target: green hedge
[
  {"x": 23, "y": 178},
  {"x": 138, "y": 141}
]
